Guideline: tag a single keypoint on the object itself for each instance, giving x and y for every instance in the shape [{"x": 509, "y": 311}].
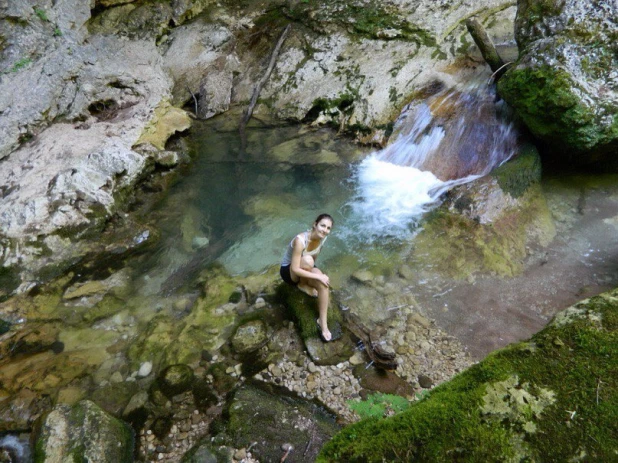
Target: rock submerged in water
[
  {"x": 271, "y": 420},
  {"x": 250, "y": 337},
  {"x": 83, "y": 430},
  {"x": 175, "y": 380}
]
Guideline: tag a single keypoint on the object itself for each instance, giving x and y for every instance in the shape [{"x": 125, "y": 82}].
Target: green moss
[
  {"x": 517, "y": 175},
  {"x": 550, "y": 103},
  {"x": 558, "y": 400},
  {"x": 20, "y": 64},
  {"x": 41, "y": 13},
  {"x": 379, "y": 405},
  {"x": 459, "y": 244},
  {"x": 9, "y": 281}
]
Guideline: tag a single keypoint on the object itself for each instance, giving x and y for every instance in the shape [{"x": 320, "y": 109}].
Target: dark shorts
[{"x": 286, "y": 275}]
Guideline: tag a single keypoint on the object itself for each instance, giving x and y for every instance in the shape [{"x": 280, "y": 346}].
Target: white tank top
[{"x": 287, "y": 257}]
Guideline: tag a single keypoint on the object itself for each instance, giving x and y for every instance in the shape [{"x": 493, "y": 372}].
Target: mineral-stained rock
[{"x": 86, "y": 430}]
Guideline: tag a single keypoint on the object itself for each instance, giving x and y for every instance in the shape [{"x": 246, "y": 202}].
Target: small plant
[
  {"x": 20, "y": 64},
  {"x": 57, "y": 32},
  {"x": 379, "y": 405},
  {"x": 41, "y": 13}
]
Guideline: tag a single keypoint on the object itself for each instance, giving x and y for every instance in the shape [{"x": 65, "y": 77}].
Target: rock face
[
  {"x": 565, "y": 82},
  {"x": 83, "y": 430}
]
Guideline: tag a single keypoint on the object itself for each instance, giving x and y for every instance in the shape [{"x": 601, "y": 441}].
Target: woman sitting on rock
[{"x": 298, "y": 267}]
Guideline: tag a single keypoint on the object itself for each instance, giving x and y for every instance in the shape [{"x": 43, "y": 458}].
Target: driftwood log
[
  {"x": 380, "y": 357},
  {"x": 486, "y": 47}
]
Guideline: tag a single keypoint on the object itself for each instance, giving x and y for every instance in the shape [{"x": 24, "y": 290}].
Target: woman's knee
[{"x": 307, "y": 263}]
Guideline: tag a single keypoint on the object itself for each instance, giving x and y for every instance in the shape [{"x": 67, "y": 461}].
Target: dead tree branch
[
  {"x": 258, "y": 88},
  {"x": 486, "y": 46}
]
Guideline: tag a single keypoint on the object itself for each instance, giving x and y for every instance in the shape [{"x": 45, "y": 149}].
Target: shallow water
[{"x": 242, "y": 209}]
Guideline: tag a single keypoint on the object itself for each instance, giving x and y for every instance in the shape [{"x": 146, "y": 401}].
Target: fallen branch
[
  {"x": 486, "y": 46},
  {"x": 258, "y": 88}
]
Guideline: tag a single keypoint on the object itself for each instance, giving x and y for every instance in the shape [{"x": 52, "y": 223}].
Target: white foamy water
[
  {"x": 391, "y": 197},
  {"x": 466, "y": 138}
]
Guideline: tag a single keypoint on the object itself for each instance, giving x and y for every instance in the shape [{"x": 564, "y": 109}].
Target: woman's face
[{"x": 323, "y": 227}]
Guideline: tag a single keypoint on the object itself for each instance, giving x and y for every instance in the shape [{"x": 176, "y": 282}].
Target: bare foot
[
  {"x": 308, "y": 290},
  {"x": 326, "y": 335}
]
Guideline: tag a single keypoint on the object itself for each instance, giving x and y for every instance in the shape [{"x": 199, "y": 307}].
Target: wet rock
[
  {"x": 250, "y": 337},
  {"x": 363, "y": 276},
  {"x": 204, "y": 395},
  {"x": 176, "y": 379},
  {"x": 20, "y": 411},
  {"x": 114, "y": 397},
  {"x": 425, "y": 381},
  {"x": 86, "y": 289},
  {"x": 145, "y": 369},
  {"x": 70, "y": 395},
  {"x": 383, "y": 381},
  {"x": 206, "y": 452},
  {"x": 85, "y": 429},
  {"x": 418, "y": 319},
  {"x": 329, "y": 353},
  {"x": 256, "y": 416}
]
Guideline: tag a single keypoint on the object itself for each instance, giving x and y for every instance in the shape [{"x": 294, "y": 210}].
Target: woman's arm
[{"x": 297, "y": 252}]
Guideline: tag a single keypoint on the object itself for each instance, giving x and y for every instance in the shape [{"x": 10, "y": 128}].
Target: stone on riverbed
[
  {"x": 329, "y": 353},
  {"x": 176, "y": 379},
  {"x": 83, "y": 430},
  {"x": 270, "y": 420},
  {"x": 250, "y": 337}
]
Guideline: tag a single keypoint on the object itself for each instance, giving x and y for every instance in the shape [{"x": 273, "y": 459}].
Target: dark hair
[{"x": 324, "y": 216}]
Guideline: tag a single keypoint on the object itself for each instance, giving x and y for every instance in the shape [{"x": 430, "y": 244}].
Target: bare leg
[
  {"x": 323, "y": 298},
  {"x": 307, "y": 263}
]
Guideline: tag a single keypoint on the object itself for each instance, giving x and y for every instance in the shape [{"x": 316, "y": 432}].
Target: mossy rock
[
  {"x": 83, "y": 432},
  {"x": 249, "y": 337},
  {"x": 150, "y": 346},
  {"x": 304, "y": 310},
  {"x": 552, "y": 398},
  {"x": 272, "y": 419},
  {"x": 517, "y": 175},
  {"x": 113, "y": 398},
  {"x": 559, "y": 84},
  {"x": 205, "y": 452},
  {"x": 176, "y": 379},
  {"x": 460, "y": 243}
]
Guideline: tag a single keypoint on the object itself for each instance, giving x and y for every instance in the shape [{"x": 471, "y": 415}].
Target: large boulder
[
  {"x": 565, "y": 84},
  {"x": 271, "y": 420},
  {"x": 551, "y": 398},
  {"x": 83, "y": 432}
]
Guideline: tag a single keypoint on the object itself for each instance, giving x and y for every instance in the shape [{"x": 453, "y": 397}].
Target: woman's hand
[{"x": 324, "y": 279}]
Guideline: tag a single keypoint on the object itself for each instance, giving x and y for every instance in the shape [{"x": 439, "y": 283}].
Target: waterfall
[{"x": 453, "y": 137}]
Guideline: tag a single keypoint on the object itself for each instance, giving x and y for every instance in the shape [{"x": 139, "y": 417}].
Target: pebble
[{"x": 145, "y": 369}]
